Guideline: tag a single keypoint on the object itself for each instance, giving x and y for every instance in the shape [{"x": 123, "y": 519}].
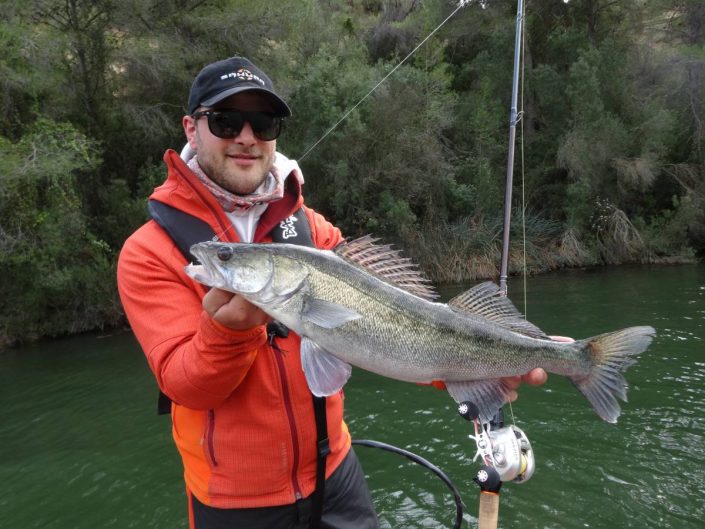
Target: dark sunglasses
[{"x": 227, "y": 124}]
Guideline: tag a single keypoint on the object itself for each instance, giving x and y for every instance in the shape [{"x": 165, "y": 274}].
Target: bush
[{"x": 57, "y": 276}]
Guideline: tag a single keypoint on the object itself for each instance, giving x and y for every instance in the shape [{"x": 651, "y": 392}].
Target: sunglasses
[{"x": 227, "y": 124}]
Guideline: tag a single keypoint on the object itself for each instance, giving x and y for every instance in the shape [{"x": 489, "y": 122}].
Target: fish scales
[{"x": 426, "y": 341}]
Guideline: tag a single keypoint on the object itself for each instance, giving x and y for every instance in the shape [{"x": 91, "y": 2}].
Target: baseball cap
[{"x": 222, "y": 79}]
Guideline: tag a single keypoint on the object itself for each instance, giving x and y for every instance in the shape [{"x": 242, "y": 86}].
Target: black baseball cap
[{"x": 222, "y": 79}]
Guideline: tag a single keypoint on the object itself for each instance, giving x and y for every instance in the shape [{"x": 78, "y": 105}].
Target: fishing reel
[{"x": 505, "y": 452}]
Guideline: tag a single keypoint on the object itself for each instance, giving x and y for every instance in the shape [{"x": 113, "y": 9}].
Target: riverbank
[
  {"x": 467, "y": 252},
  {"x": 441, "y": 262}
]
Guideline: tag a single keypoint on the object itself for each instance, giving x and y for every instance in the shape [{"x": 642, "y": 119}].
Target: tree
[{"x": 57, "y": 276}]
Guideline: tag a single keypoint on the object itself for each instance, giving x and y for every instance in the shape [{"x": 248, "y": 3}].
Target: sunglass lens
[
  {"x": 226, "y": 124},
  {"x": 265, "y": 126}
]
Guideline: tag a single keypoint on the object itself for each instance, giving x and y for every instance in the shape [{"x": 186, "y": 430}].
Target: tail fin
[{"x": 611, "y": 354}]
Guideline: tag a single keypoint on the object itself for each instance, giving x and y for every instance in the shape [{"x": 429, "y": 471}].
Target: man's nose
[{"x": 247, "y": 135}]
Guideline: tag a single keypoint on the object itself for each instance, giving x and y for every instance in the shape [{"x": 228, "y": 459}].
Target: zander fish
[{"x": 363, "y": 305}]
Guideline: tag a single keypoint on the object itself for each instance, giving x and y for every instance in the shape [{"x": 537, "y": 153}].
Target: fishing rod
[
  {"x": 514, "y": 118},
  {"x": 505, "y": 452}
]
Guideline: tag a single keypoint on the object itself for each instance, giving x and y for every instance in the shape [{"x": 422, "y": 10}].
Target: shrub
[{"x": 57, "y": 277}]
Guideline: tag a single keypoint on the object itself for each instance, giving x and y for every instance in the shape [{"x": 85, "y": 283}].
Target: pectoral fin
[
  {"x": 488, "y": 395},
  {"x": 326, "y": 314},
  {"x": 325, "y": 374}
]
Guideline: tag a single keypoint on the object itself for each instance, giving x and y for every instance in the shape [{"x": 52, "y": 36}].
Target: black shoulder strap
[
  {"x": 186, "y": 230},
  {"x": 293, "y": 230},
  {"x": 322, "y": 451}
]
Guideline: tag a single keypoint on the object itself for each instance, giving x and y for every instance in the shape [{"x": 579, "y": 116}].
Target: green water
[{"x": 81, "y": 446}]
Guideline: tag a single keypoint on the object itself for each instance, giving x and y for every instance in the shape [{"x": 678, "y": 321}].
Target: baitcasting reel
[{"x": 505, "y": 452}]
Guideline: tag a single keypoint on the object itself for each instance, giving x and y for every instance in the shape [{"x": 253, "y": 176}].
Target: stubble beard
[
  {"x": 235, "y": 180},
  {"x": 232, "y": 180}
]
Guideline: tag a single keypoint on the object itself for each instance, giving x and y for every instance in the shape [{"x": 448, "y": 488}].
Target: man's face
[{"x": 239, "y": 164}]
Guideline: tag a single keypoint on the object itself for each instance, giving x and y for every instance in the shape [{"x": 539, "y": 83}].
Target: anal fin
[{"x": 488, "y": 395}]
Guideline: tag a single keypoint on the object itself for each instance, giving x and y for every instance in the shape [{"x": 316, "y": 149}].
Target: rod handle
[{"x": 489, "y": 510}]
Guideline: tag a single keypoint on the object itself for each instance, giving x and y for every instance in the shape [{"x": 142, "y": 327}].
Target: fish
[{"x": 363, "y": 304}]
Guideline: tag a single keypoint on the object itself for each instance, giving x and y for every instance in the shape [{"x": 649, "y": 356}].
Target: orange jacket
[{"x": 242, "y": 412}]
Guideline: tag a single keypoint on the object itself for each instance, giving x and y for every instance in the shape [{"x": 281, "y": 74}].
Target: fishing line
[
  {"x": 459, "y": 505},
  {"x": 461, "y": 4},
  {"x": 521, "y": 155},
  {"x": 222, "y": 234}
]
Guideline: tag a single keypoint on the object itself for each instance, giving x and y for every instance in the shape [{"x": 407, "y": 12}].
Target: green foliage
[
  {"x": 668, "y": 235},
  {"x": 470, "y": 247},
  {"x": 93, "y": 91},
  {"x": 403, "y": 122},
  {"x": 57, "y": 276}
]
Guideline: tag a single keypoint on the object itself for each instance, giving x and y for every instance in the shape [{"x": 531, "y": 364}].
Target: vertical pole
[{"x": 513, "y": 119}]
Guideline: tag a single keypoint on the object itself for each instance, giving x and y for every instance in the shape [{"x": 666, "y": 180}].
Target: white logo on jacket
[{"x": 288, "y": 228}]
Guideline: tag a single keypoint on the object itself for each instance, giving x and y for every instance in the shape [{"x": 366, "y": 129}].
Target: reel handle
[
  {"x": 468, "y": 410},
  {"x": 488, "y": 479}
]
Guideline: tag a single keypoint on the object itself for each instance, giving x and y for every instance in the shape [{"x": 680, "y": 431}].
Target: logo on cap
[{"x": 242, "y": 74}]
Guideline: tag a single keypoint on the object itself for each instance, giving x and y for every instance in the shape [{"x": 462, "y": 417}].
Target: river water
[{"x": 81, "y": 446}]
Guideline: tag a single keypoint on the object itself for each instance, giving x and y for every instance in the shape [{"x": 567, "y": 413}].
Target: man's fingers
[
  {"x": 512, "y": 382},
  {"x": 214, "y": 299},
  {"x": 232, "y": 310},
  {"x": 535, "y": 377},
  {"x": 562, "y": 338}
]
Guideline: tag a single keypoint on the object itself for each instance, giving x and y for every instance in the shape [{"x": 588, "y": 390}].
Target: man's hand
[
  {"x": 232, "y": 310},
  {"x": 535, "y": 377}
]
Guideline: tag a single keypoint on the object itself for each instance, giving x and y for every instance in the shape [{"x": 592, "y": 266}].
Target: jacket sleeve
[{"x": 197, "y": 362}]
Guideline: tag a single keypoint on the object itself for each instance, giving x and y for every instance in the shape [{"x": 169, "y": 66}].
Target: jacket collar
[{"x": 184, "y": 191}]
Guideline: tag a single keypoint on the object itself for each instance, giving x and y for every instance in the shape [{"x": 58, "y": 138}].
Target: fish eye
[{"x": 224, "y": 253}]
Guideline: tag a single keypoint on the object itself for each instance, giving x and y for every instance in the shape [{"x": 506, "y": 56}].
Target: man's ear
[{"x": 189, "y": 124}]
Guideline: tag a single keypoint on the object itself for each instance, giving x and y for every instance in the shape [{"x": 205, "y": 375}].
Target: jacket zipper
[
  {"x": 290, "y": 415},
  {"x": 210, "y": 430}
]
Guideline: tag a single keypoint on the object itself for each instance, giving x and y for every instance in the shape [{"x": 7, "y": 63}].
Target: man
[{"x": 242, "y": 413}]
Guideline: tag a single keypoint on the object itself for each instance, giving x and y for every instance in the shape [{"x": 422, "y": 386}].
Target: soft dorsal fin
[
  {"x": 485, "y": 300},
  {"x": 387, "y": 264}
]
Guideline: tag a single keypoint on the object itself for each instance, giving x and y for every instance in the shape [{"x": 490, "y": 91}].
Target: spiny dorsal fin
[
  {"x": 485, "y": 300},
  {"x": 387, "y": 264}
]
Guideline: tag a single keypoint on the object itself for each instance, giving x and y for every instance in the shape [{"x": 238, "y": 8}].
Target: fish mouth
[
  {"x": 200, "y": 273},
  {"x": 227, "y": 266},
  {"x": 203, "y": 271}
]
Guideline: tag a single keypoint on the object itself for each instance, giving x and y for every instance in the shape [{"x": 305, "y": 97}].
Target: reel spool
[
  {"x": 506, "y": 452},
  {"x": 512, "y": 456}
]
